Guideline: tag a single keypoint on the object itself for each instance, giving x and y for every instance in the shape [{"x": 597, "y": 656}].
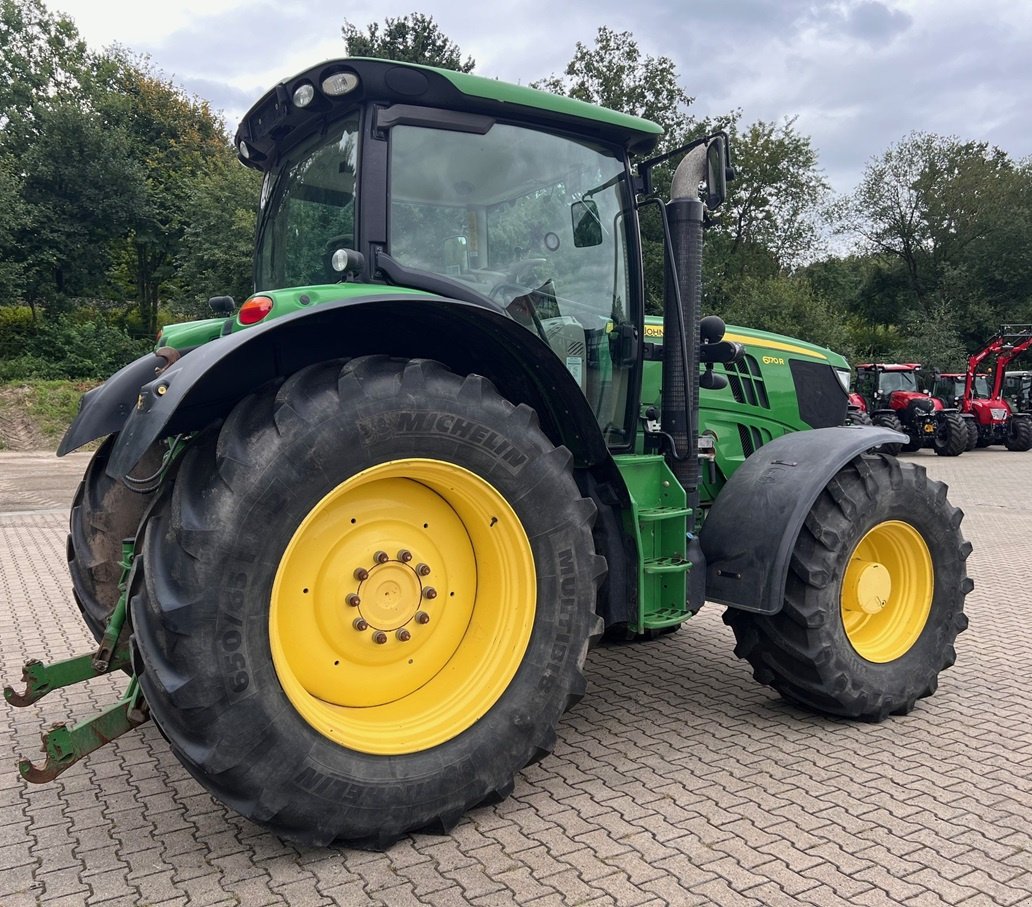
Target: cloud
[
  {"x": 858, "y": 74},
  {"x": 874, "y": 22}
]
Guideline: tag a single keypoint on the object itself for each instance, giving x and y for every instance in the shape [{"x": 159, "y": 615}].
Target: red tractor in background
[
  {"x": 889, "y": 393},
  {"x": 995, "y": 422},
  {"x": 949, "y": 390}
]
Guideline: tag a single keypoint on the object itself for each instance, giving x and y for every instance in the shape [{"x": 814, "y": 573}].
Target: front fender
[
  {"x": 467, "y": 337},
  {"x": 752, "y": 527}
]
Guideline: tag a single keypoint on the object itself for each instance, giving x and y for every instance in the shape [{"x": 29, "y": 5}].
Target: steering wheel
[{"x": 516, "y": 271}]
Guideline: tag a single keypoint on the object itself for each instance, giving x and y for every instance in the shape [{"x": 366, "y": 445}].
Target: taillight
[{"x": 254, "y": 310}]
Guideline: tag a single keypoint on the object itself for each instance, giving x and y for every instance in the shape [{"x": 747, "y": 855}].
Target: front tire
[
  {"x": 951, "y": 436},
  {"x": 368, "y": 601},
  {"x": 874, "y": 599},
  {"x": 1019, "y": 437},
  {"x": 888, "y": 420}
]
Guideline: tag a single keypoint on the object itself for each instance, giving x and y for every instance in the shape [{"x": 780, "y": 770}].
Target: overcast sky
[{"x": 858, "y": 75}]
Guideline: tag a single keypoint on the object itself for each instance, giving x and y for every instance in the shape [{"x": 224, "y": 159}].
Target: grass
[{"x": 35, "y": 413}]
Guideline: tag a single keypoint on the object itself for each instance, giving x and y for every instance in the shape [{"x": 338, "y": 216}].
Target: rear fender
[
  {"x": 467, "y": 337},
  {"x": 752, "y": 527},
  {"x": 104, "y": 409}
]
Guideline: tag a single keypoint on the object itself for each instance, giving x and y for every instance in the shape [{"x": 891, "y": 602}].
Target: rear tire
[
  {"x": 1020, "y": 435},
  {"x": 951, "y": 436},
  {"x": 272, "y": 683},
  {"x": 874, "y": 599},
  {"x": 887, "y": 420},
  {"x": 104, "y": 512},
  {"x": 972, "y": 429}
]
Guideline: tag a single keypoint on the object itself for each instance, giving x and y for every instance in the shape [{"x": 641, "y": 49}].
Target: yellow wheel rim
[
  {"x": 887, "y": 591},
  {"x": 402, "y": 606}
]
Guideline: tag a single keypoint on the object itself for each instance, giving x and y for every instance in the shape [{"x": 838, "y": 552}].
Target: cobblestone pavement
[{"x": 677, "y": 780}]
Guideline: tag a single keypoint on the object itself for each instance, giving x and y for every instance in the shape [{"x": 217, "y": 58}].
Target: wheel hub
[
  {"x": 391, "y": 596},
  {"x": 871, "y": 584}
]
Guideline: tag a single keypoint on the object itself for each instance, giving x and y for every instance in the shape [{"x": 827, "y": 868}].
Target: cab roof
[{"x": 276, "y": 122}]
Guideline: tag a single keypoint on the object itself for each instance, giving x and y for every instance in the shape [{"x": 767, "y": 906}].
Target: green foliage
[
  {"x": 41, "y": 57},
  {"x": 123, "y": 206},
  {"x": 176, "y": 141},
  {"x": 414, "y": 38},
  {"x": 944, "y": 227},
  {"x": 108, "y": 171},
  {"x": 774, "y": 200},
  {"x": 53, "y": 404},
  {"x": 933, "y": 341},
  {"x": 215, "y": 251},
  {"x": 616, "y": 74},
  {"x": 12, "y": 269},
  {"x": 77, "y": 346},
  {"x": 80, "y": 190},
  {"x": 39, "y": 411},
  {"x": 787, "y": 304}
]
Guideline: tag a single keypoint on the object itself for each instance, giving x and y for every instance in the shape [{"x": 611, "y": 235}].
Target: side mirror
[
  {"x": 222, "y": 305},
  {"x": 456, "y": 255},
  {"x": 711, "y": 381},
  {"x": 587, "y": 225},
  {"x": 716, "y": 172},
  {"x": 711, "y": 328}
]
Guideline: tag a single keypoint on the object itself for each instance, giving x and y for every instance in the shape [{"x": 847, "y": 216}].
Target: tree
[
  {"x": 11, "y": 255},
  {"x": 79, "y": 191},
  {"x": 951, "y": 223},
  {"x": 174, "y": 138},
  {"x": 922, "y": 204},
  {"x": 787, "y": 304},
  {"x": 42, "y": 57},
  {"x": 615, "y": 74},
  {"x": 216, "y": 249},
  {"x": 414, "y": 38},
  {"x": 935, "y": 341},
  {"x": 776, "y": 197}
]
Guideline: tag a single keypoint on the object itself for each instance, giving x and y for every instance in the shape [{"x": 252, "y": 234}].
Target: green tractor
[{"x": 353, "y": 540}]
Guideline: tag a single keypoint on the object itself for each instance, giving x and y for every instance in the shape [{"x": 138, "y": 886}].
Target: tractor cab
[
  {"x": 890, "y": 386},
  {"x": 892, "y": 397},
  {"x": 538, "y": 225},
  {"x": 948, "y": 389},
  {"x": 1017, "y": 390}
]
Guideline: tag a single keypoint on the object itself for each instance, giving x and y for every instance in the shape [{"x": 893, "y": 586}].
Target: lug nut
[
  {"x": 423, "y": 570},
  {"x": 381, "y": 557},
  {"x": 404, "y": 556},
  {"x": 360, "y": 624},
  {"x": 353, "y": 600},
  {"x": 422, "y": 617},
  {"x": 379, "y": 637},
  {"x": 361, "y": 574},
  {"x": 429, "y": 592},
  {"x": 403, "y": 635}
]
